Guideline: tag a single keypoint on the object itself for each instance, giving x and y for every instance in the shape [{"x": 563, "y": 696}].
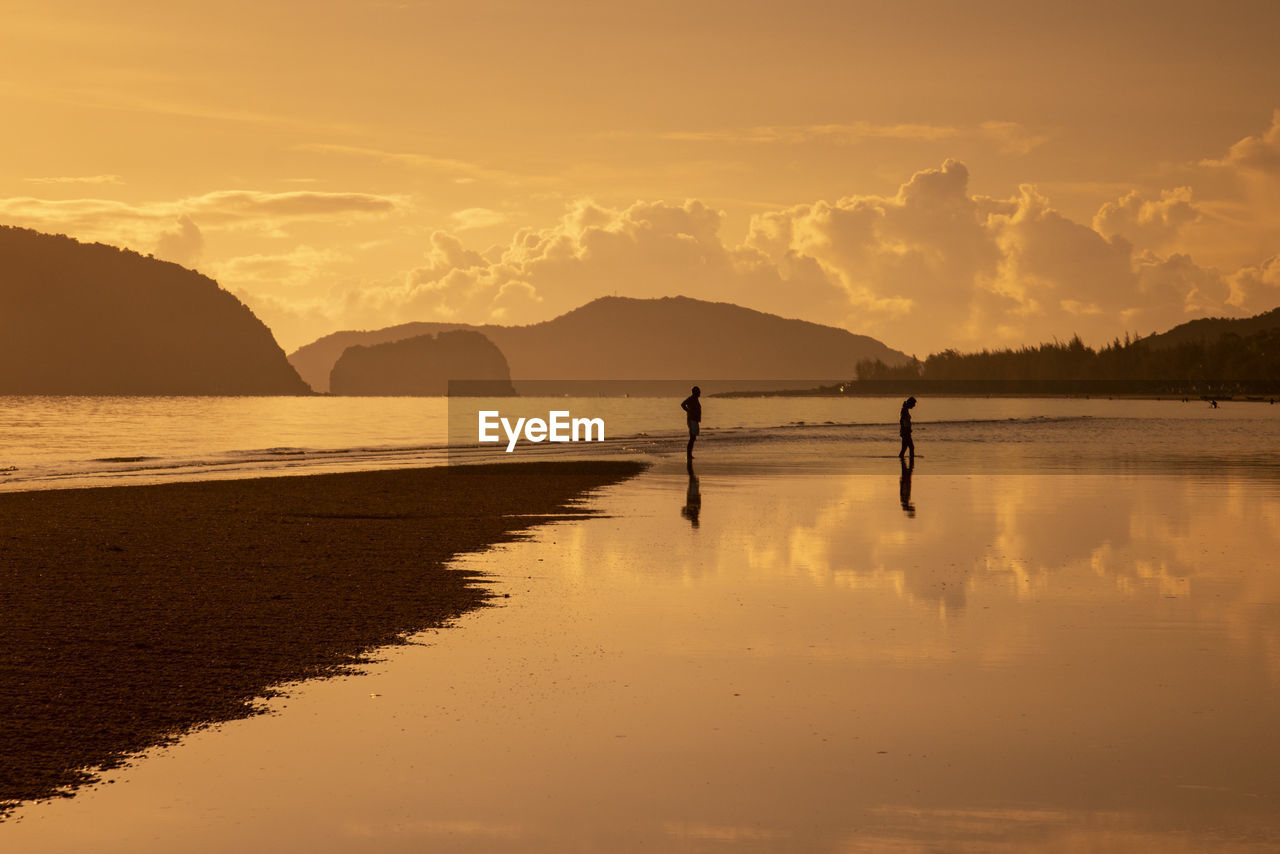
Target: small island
[{"x": 424, "y": 365}]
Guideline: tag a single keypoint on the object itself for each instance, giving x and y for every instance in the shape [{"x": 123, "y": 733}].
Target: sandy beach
[{"x": 130, "y": 615}]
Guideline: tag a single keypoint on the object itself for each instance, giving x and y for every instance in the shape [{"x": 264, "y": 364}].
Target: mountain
[
  {"x": 619, "y": 338},
  {"x": 422, "y": 365},
  {"x": 1210, "y": 329},
  {"x": 79, "y": 318}
]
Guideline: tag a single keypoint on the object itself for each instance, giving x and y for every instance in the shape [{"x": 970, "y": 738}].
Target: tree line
[{"x": 1230, "y": 364}]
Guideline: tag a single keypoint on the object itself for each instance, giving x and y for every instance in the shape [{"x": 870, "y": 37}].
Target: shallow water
[
  {"x": 1009, "y": 661},
  {"x": 54, "y": 442}
]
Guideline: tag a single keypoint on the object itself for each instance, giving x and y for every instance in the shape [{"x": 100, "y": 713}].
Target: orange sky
[{"x": 933, "y": 174}]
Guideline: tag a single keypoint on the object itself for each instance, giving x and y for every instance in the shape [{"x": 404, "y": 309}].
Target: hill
[
  {"x": 79, "y": 318},
  {"x": 619, "y": 338},
  {"x": 1211, "y": 357},
  {"x": 422, "y": 365},
  {"x": 1210, "y": 329}
]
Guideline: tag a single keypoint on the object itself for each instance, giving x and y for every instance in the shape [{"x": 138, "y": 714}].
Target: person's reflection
[
  {"x": 904, "y": 487},
  {"x": 692, "y": 499}
]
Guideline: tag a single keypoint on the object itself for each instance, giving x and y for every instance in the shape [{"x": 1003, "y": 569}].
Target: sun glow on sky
[{"x": 933, "y": 174}]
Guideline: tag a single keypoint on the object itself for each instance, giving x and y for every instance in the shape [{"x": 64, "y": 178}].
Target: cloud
[
  {"x": 302, "y": 266},
  {"x": 79, "y": 216},
  {"x": 1149, "y": 223},
  {"x": 221, "y": 206},
  {"x": 182, "y": 245},
  {"x": 87, "y": 179},
  {"x": 1256, "y": 287},
  {"x": 1234, "y": 219},
  {"x": 649, "y": 249},
  {"x": 1259, "y": 153},
  {"x": 1176, "y": 289},
  {"x": 248, "y": 205},
  {"x": 931, "y": 266},
  {"x": 895, "y": 259},
  {"x": 477, "y": 218},
  {"x": 1060, "y": 276},
  {"x": 1016, "y": 270},
  {"x": 144, "y": 225}
]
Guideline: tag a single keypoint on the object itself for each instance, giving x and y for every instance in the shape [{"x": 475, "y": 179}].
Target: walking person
[
  {"x": 904, "y": 430},
  {"x": 692, "y": 407}
]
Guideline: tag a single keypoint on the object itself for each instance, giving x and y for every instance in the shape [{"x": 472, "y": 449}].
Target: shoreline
[
  {"x": 134, "y": 614},
  {"x": 1005, "y": 395}
]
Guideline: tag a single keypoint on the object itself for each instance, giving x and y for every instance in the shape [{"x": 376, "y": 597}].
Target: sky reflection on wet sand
[{"x": 1029, "y": 662}]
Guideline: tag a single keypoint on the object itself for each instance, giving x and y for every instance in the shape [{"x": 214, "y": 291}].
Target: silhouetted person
[
  {"x": 904, "y": 487},
  {"x": 692, "y": 499},
  {"x": 904, "y": 429},
  {"x": 693, "y": 412}
]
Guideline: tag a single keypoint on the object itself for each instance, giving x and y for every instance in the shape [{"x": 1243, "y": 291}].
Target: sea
[
  {"x": 1058, "y": 631},
  {"x": 49, "y": 442}
]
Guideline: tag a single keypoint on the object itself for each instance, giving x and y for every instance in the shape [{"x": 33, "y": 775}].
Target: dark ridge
[
  {"x": 1209, "y": 329},
  {"x": 79, "y": 318}
]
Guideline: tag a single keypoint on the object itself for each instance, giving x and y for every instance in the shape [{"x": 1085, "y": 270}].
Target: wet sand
[{"x": 131, "y": 615}]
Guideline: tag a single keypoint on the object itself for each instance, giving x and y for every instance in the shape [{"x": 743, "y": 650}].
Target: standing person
[
  {"x": 693, "y": 412},
  {"x": 904, "y": 429}
]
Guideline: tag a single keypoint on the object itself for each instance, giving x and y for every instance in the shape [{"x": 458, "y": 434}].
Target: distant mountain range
[
  {"x": 619, "y": 338},
  {"x": 79, "y": 318}
]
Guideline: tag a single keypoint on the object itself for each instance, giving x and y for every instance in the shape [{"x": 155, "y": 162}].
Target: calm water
[
  {"x": 50, "y": 442},
  {"x": 784, "y": 659},
  {"x": 1060, "y": 632}
]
